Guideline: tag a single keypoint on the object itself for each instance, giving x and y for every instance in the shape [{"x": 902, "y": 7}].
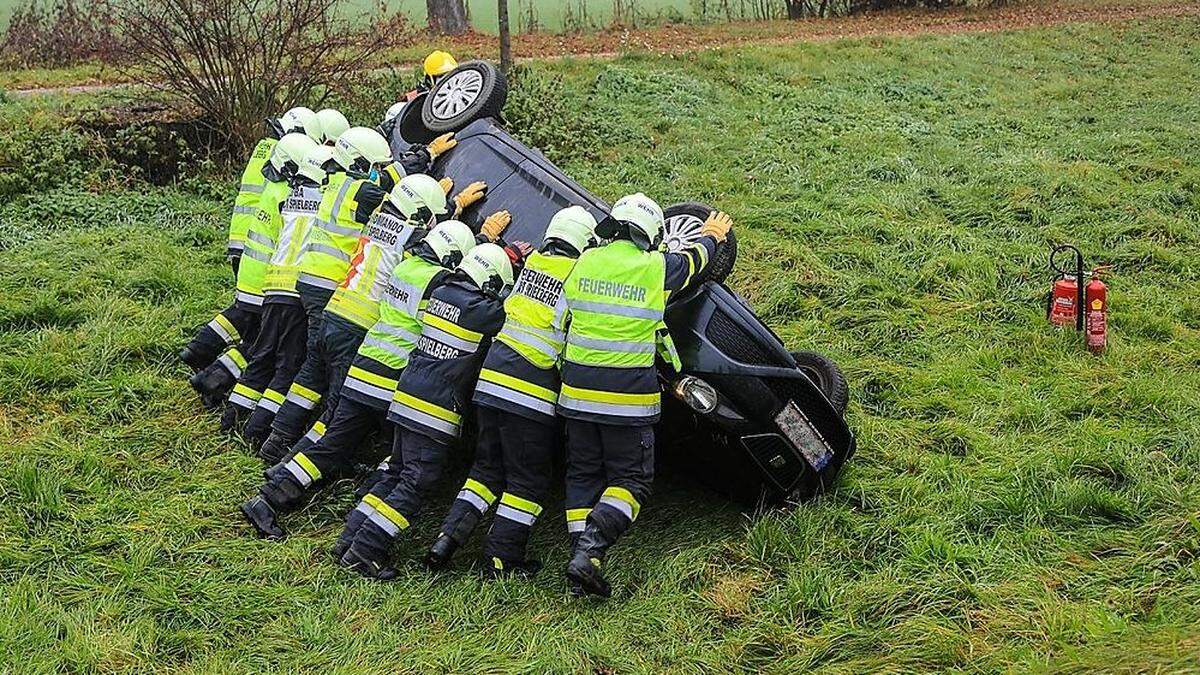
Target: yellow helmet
[{"x": 439, "y": 63}]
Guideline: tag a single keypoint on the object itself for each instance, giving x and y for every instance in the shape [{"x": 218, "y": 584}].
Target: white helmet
[
  {"x": 362, "y": 147},
  {"x": 417, "y": 191},
  {"x": 488, "y": 266},
  {"x": 333, "y": 124},
  {"x": 394, "y": 111},
  {"x": 449, "y": 240},
  {"x": 313, "y": 164},
  {"x": 642, "y": 214},
  {"x": 301, "y": 120},
  {"x": 289, "y": 152},
  {"x": 574, "y": 226}
]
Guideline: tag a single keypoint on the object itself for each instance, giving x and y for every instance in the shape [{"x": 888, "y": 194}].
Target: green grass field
[{"x": 1016, "y": 503}]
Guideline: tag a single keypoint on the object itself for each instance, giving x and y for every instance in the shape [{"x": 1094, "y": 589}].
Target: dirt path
[{"x": 675, "y": 39}]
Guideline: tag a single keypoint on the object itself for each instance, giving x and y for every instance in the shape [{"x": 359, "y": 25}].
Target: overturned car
[{"x": 751, "y": 417}]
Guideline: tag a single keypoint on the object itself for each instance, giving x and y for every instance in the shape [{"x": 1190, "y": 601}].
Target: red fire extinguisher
[
  {"x": 1073, "y": 301},
  {"x": 1065, "y": 304},
  {"x": 1097, "y": 312}
]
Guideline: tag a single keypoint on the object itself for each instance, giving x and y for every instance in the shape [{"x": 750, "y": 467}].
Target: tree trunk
[
  {"x": 795, "y": 9},
  {"x": 505, "y": 38},
  {"x": 448, "y": 17}
]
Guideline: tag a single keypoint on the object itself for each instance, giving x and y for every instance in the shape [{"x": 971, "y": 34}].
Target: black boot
[
  {"x": 194, "y": 360},
  {"x": 260, "y": 514},
  {"x": 365, "y": 563},
  {"x": 275, "y": 448},
  {"x": 213, "y": 382},
  {"x": 584, "y": 568},
  {"x": 233, "y": 418},
  {"x": 258, "y": 428},
  {"x": 495, "y": 568},
  {"x": 346, "y": 537},
  {"x": 437, "y": 558}
]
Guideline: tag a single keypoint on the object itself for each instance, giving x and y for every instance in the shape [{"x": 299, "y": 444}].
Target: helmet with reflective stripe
[
  {"x": 394, "y": 111},
  {"x": 488, "y": 266},
  {"x": 643, "y": 215},
  {"x": 449, "y": 240},
  {"x": 333, "y": 124},
  {"x": 289, "y": 152},
  {"x": 301, "y": 120},
  {"x": 313, "y": 164},
  {"x": 417, "y": 191},
  {"x": 439, "y": 63},
  {"x": 574, "y": 226},
  {"x": 361, "y": 143}
]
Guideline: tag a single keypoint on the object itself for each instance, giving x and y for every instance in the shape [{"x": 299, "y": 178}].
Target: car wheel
[
  {"x": 823, "y": 372},
  {"x": 410, "y": 127},
  {"x": 473, "y": 90},
  {"x": 682, "y": 227}
]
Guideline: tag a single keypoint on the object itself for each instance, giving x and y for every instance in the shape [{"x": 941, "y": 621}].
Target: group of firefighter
[{"x": 366, "y": 309}]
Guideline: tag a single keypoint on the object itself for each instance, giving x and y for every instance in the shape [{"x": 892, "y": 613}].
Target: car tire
[
  {"x": 471, "y": 91},
  {"x": 411, "y": 127},
  {"x": 823, "y": 372},
  {"x": 682, "y": 227}
]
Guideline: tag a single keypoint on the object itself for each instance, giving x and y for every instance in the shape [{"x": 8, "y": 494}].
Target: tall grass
[{"x": 1016, "y": 503}]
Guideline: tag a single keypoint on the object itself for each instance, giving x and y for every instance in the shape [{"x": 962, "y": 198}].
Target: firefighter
[
  {"x": 610, "y": 395},
  {"x": 369, "y": 389},
  {"x": 239, "y": 322},
  {"x": 281, "y": 329},
  {"x": 437, "y": 64},
  {"x": 516, "y": 394},
  {"x": 432, "y": 395},
  {"x": 354, "y": 307},
  {"x": 297, "y": 213}
]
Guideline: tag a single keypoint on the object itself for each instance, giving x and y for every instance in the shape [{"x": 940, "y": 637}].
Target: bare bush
[
  {"x": 61, "y": 33},
  {"x": 237, "y": 62}
]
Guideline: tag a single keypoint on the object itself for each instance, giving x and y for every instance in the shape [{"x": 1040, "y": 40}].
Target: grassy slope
[{"x": 1015, "y": 501}]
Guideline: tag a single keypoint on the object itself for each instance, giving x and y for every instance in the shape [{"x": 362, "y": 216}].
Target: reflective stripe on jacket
[
  {"x": 520, "y": 373},
  {"x": 332, "y": 237},
  {"x": 616, "y": 295},
  {"x": 260, "y": 241},
  {"x": 435, "y": 388},
  {"x": 296, "y": 215},
  {"x": 249, "y": 190}
]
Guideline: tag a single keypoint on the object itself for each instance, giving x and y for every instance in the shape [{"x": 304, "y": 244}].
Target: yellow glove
[
  {"x": 469, "y": 195},
  {"x": 495, "y": 224},
  {"x": 441, "y": 145},
  {"x": 717, "y": 225},
  {"x": 447, "y": 184}
]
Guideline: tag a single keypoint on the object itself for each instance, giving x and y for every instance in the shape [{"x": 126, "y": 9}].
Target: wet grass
[{"x": 1016, "y": 503}]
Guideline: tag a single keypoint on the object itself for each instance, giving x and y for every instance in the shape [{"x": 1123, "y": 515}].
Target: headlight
[{"x": 698, "y": 394}]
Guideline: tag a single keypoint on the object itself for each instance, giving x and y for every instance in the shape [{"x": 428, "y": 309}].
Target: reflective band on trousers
[
  {"x": 270, "y": 401},
  {"x": 518, "y": 509},
  {"x": 476, "y": 494},
  {"x": 426, "y": 414},
  {"x": 303, "y": 396},
  {"x": 377, "y": 511},
  {"x": 303, "y": 469},
  {"x": 316, "y": 432},
  {"x": 224, "y": 329},
  {"x": 233, "y": 361},
  {"x": 622, "y": 500},
  {"x": 577, "y": 519},
  {"x": 374, "y": 385}
]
